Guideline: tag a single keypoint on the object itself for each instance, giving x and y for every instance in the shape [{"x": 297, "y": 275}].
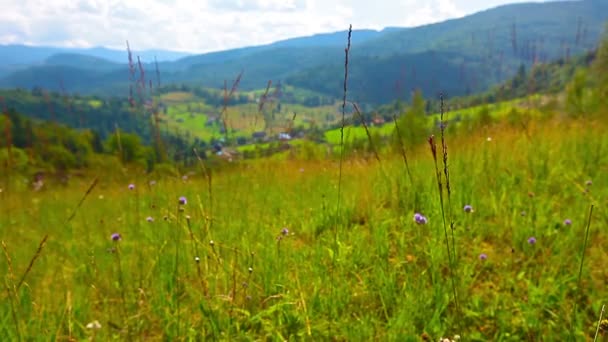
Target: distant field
[
  {"x": 187, "y": 113},
  {"x": 177, "y": 96}
]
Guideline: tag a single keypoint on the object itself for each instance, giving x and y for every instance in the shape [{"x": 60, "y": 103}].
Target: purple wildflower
[
  {"x": 468, "y": 208},
  {"x": 131, "y": 186},
  {"x": 284, "y": 231},
  {"x": 483, "y": 256},
  {"x": 420, "y": 219},
  {"x": 150, "y": 219},
  {"x": 183, "y": 200},
  {"x": 567, "y": 222},
  {"x": 116, "y": 237},
  {"x": 532, "y": 240}
]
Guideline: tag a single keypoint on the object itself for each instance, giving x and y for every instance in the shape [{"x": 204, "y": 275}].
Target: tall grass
[{"x": 386, "y": 283}]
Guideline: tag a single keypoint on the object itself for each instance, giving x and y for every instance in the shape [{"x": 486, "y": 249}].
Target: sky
[{"x": 200, "y": 26}]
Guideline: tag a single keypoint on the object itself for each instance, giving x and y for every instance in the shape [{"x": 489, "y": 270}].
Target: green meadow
[
  {"x": 486, "y": 223},
  {"x": 295, "y": 249}
]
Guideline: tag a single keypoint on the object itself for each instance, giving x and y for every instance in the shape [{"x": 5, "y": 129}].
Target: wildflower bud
[
  {"x": 94, "y": 325},
  {"x": 250, "y": 270},
  {"x": 197, "y": 259}
]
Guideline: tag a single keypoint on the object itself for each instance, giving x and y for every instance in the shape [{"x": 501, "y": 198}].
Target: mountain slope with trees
[{"x": 458, "y": 56}]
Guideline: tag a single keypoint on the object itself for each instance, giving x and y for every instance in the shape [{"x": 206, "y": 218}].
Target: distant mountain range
[
  {"x": 16, "y": 57},
  {"x": 456, "y": 56}
]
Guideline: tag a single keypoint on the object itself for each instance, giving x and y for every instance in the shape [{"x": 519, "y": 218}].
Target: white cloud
[{"x": 206, "y": 25}]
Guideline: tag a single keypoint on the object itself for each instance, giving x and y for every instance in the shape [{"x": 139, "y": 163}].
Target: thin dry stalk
[
  {"x": 599, "y": 323},
  {"x": 7, "y": 133},
  {"x": 32, "y": 261},
  {"x": 292, "y": 123},
  {"x": 369, "y": 136},
  {"x": 50, "y": 108},
  {"x": 197, "y": 257},
  {"x": 262, "y": 102},
  {"x": 131, "y": 75},
  {"x": 9, "y": 162},
  {"x": 452, "y": 268},
  {"x": 9, "y": 261},
  {"x": 346, "y": 52},
  {"x": 233, "y": 291},
  {"x": 117, "y": 133},
  {"x": 227, "y": 96},
  {"x": 176, "y": 285},
  {"x": 11, "y": 290},
  {"x": 141, "y": 84},
  {"x": 53, "y": 116},
  {"x": 67, "y": 101},
  {"x": 402, "y": 149},
  {"x": 207, "y": 173},
  {"x": 446, "y": 172},
  {"x": 580, "y": 271},
  {"x": 86, "y": 194},
  {"x": 161, "y": 153}
]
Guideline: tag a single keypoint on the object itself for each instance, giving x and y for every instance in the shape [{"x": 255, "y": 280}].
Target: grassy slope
[
  {"x": 384, "y": 277},
  {"x": 496, "y": 110}
]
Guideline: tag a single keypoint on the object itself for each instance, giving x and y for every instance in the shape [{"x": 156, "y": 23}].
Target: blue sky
[{"x": 210, "y": 25}]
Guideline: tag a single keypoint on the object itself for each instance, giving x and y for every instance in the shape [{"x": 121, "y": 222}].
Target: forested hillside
[{"x": 459, "y": 57}]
